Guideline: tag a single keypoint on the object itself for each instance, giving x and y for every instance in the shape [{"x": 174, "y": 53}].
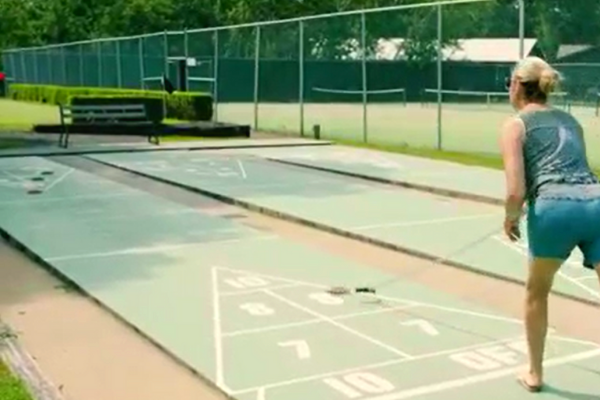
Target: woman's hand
[{"x": 511, "y": 229}]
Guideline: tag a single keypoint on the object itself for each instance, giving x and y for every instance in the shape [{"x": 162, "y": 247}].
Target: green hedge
[{"x": 190, "y": 106}]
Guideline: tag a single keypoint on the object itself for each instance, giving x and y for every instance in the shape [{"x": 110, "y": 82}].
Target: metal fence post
[
  {"x": 440, "y": 55},
  {"x": 216, "y": 76},
  {"x": 63, "y": 54},
  {"x": 23, "y": 67},
  {"x": 50, "y": 69},
  {"x": 521, "y": 29},
  {"x": 166, "y": 68},
  {"x": 256, "y": 75},
  {"x": 363, "y": 45},
  {"x": 166, "y": 53},
  {"x": 142, "y": 59},
  {"x": 100, "y": 72},
  {"x": 36, "y": 71},
  {"x": 118, "y": 61},
  {"x": 301, "y": 76},
  {"x": 186, "y": 55},
  {"x": 81, "y": 68}
]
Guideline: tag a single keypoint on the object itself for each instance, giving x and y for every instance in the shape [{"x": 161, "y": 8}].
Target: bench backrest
[{"x": 106, "y": 113}]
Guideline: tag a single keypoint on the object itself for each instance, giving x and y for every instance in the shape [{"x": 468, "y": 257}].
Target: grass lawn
[
  {"x": 21, "y": 116},
  {"x": 11, "y": 387},
  {"x": 475, "y": 159}
]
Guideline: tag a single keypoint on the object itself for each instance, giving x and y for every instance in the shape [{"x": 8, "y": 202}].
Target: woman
[{"x": 545, "y": 165}]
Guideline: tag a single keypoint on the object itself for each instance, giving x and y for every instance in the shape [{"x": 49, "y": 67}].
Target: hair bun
[{"x": 548, "y": 80}]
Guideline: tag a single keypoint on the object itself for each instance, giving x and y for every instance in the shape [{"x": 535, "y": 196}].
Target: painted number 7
[
  {"x": 302, "y": 349},
  {"x": 423, "y": 325}
]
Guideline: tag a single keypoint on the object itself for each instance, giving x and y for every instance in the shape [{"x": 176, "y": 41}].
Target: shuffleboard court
[
  {"x": 467, "y": 233},
  {"x": 251, "y": 313},
  {"x": 395, "y": 168}
]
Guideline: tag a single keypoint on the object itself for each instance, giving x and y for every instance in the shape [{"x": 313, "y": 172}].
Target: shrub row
[{"x": 190, "y": 106}]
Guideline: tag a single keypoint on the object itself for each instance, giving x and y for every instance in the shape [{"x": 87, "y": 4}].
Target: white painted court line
[
  {"x": 338, "y": 325},
  {"x": 95, "y": 215},
  {"x": 314, "y": 321},
  {"x": 159, "y": 248},
  {"x": 17, "y": 177},
  {"x": 573, "y": 281},
  {"x": 59, "y": 180},
  {"x": 226, "y": 185},
  {"x": 587, "y": 278},
  {"x": 394, "y": 299},
  {"x": 459, "y": 383},
  {"x": 217, "y": 335},
  {"x": 242, "y": 169},
  {"x": 379, "y": 365},
  {"x": 425, "y": 222},
  {"x": 41, "y": 199}
]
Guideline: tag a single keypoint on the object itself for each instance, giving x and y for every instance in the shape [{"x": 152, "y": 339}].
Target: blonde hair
[{"x": 534, "y": 70}]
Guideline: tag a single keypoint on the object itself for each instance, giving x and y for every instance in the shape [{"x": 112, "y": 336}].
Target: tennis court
[
  {"x": 248, "y": 309},
  {"x": 470, "y": 119}
]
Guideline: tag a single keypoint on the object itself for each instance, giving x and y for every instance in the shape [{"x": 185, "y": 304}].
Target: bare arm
[{"x": 511, "y": 145}]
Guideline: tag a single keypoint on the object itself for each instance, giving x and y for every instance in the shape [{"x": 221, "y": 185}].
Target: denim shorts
[{"x": 556, "y": 226}]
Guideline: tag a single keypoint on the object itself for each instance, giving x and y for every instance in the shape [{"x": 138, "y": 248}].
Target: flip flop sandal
[{"x": 528, "y": 387}]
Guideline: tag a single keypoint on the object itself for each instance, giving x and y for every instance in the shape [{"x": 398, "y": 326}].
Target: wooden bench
[{"x": 121, "y": 115}]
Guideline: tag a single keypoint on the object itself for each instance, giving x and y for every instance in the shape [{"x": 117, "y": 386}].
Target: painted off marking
[
  {"x": 458, "y": 383},
  {"x": 380, "y": 365}
]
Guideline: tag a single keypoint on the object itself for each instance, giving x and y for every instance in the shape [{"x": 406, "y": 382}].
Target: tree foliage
[{"x": 26, "y": 23}]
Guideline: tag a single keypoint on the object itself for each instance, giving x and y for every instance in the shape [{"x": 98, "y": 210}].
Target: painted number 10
[
  {"x": 359, "y": 384},
  {"x": 244, "y": 282}
]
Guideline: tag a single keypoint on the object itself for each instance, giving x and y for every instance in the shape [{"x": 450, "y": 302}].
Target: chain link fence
[{"x": 419, "y": 75}]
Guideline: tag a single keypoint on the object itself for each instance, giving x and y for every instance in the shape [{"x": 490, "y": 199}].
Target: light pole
[{"x": 521, "y": 29}]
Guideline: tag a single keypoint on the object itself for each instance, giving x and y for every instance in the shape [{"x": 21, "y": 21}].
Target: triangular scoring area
[
  {"x": 28, "y": 177},
  {"x": 351, "y": 158},
  {"x": 218, "y": 167}
]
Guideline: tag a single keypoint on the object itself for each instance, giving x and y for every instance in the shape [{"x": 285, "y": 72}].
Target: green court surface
[
  {"x": 445, "y": 175},
  {"x": 467, "y": 233},
  {"x": 248, "y": 310}
]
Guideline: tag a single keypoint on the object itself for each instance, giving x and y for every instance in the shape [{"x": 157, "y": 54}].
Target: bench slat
[
  {"x": 106, "y": 107},
  {"x": 130, "y": 123},
  {"x": 108, "y": 115}
]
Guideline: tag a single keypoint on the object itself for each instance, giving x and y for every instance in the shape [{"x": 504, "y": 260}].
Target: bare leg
[{"x": 539, "y": 283}]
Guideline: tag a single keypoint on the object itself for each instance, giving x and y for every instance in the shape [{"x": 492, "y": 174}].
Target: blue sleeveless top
[{"x": 554, "y": 157}]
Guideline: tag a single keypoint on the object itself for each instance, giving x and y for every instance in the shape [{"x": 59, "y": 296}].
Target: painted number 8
[
  {"x": 257, "y": 309},
  {"x": 326, "y": 299}
]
